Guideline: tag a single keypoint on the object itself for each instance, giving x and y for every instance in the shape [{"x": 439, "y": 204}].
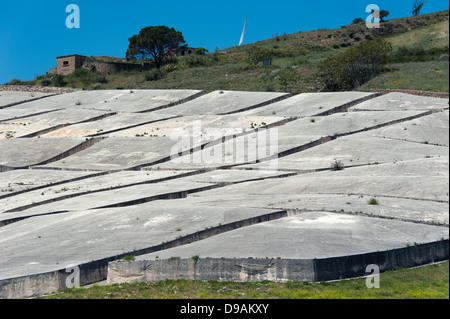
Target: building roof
[{"x": 66, "y": 56}]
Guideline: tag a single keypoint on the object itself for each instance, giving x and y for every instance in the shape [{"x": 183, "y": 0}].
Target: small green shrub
[
  {"x": 46, "y": 82},
  {"x": 196, "y": 60},
  {"x": 59, "y": 80},
  {"x": 128, "y": 258},
  {"x": 200, "y": 51},
  {"x": 355, "y": 66},
  {"x": 256, "y": 55},
  {"x": 444, "y": 57},
  {"x": 373, "y": 201},
  {"x": 15, "y": 82},
  {"x": 287, "y": 77},
  {"x": 155, "y": 75},
  {"x": 337, "y": 166},
  {"x": 358, "y": 21}
]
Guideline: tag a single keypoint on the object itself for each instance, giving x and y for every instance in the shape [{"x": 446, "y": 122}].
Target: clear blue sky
[{"x": 33, "y": 33}]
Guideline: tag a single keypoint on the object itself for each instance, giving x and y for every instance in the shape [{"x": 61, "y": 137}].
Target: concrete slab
[
  {"x": 19, "y": 153},
  {"x": 16, "y": 113},
  {"x": 16, "y": 181},
  {"x": 39, "y": 124},
  {"x": 116, "y": 100},
  {"x": 310, "y": 104},
  {"x": 117, "y": 154},
  {"x": 119, "y": 197},
  {"x": 294, "y": 136},
  {"x": 225, "y": 177},
  {"x": 402, "y": 102},
  {"x": 201, "y": 125},
  {"x": 143, "y": 100},
  {"x": 409, "y": 180},
  {"x": 308, "y": 236},
  {"x": 411, "y": 210},
  {"x": 34, "y": 245},
  {"x": 89, "y": 201},
  {"x": 109, "y": 126},
  {"x": 8, "y": 98},
  {"x": 60, "y": 191},
  {"x": 431, "y": 129},
  {"x": 226, "y": 102},
  {"x": 353, "y": 151}
]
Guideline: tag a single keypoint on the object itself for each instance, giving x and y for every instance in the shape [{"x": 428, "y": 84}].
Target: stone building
[
  {"x": 181, "y": 51},
  {"x": 67, "y": 64}
]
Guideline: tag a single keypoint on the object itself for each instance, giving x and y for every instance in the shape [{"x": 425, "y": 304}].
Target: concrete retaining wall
[
  {"x": 226, "y": 269},
  {"x": 223, "y": 269},
  {"x": 442, "y": 95},
  {"x": 36, "y": 88}
]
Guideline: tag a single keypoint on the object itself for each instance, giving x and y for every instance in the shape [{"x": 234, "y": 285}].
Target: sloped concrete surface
[{"x": 254, "y": 186}]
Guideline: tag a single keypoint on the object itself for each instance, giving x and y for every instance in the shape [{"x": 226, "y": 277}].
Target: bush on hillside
[
  {"x": 416, "y": 54},
  {"x": 200, "y": 51},
  {"x": 58, "y": 80},
  {"x": 15, "y": 82},
  {"x": 155, "y": 75},
  {"x": 257, "y": 55},
  {"x": 87, "y": 76},
  {"x": 355, "y": 66}
]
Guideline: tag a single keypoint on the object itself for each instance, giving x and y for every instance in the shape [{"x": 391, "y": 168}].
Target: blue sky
[{"x": 33, "y": 33}]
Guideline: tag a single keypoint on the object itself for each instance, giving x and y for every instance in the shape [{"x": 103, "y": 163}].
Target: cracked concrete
[{"x": 67, "y": 198}]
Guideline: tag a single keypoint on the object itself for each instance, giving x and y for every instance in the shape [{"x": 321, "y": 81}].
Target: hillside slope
[{"x": 419, "y": 61}]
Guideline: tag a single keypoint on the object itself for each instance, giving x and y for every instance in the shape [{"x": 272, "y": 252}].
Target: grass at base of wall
[{"x": 427, "y": 282}]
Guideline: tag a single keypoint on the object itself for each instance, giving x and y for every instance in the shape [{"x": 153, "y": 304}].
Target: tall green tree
[
  {"x": 383, "y": 15},
  {"x": 154, "y": 44}
]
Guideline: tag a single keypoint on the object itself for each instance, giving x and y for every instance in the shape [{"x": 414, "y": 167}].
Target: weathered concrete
[
  {"x": 116, "y": 100},
  {"x": 11, "y": 98},
  {"x": 431, "y": 129},
  {"x": 34, "y": 245},
  {"x": 117, "y": 154},
  {"x": 387, "y": 180},
  {"x": 19, "y": 113},
  {"x": 310, "y": 104},
  {"x": 85, "y": 186},
  {"x": 281, "y": 270},
  {"x": 401, "y": 101},
  {"x": 109, "y": 125},
  {"x": 292, "y": 137},
  {"x": 201, "y": 125},
  {"x": 17, "y": 181},
  {"x": 103, "y": 185},
  {"x": 353, "y": 151},
  {"x": 19, "y": 153},
  {"x": 226, "y": 102},
  {"x": 309, "y": 235},
  {"x": 38, "y": 125}
]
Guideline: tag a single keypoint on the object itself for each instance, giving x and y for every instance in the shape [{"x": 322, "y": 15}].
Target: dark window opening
[{"x": 66, "y": 63}]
